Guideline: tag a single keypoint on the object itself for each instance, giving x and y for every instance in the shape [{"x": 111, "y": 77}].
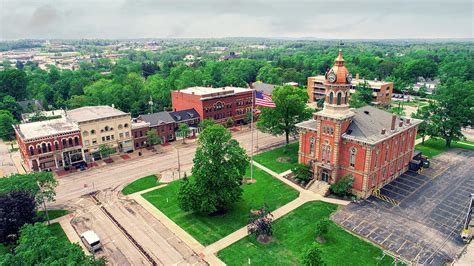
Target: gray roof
[
  {"x": 157, "y": 118},
  {"x": 184, "y": 115},
  {"x": 263, "y": 87},
  {"x": 89, "y": 113},
  {"x": 368, "y": 122},
  {"x": 46, "y": 128},
  {"x": 309, "y": 124}
]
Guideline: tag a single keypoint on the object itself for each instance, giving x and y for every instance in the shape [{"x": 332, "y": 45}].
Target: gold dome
[{"x": 340, "y": 71}]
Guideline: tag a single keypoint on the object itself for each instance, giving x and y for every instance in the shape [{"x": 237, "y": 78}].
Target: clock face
[
  {"x": 349, "y": 78},
  {"x": 332, "y": 77}
]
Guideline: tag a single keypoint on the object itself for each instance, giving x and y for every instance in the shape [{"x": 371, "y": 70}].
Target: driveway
[{"x": 422, "y": 219}]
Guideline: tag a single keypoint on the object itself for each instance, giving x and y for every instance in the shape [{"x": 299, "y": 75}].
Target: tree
[
  {"x": 37, "y": 246},
  {"x": 6, "y": 125},
  {"x": 290, "y": 109},
  {"x": 362, "y": 96},
  {"x": 219, "y": 166},
  {"x": 184, "y": 131},
  {"x": 341, "y": 187},
  {"x": 424, "y": 128},
  {"x": 153, "y": 138},
  {"x": 13, "y": 82},
  {"x": 422, "y": 91},
  {"x": 322, "y": 228},
  {"x": 105, "y": 150},
  {"x": 9, "y": 104},
  {"x": 16, "y": 209},
  {"x": 229, "y": 122},
  {"x": 248, "y": 117},
  {"x": 302, "y": 173},
  {"x": 206, "y": 122},
  {"x": 452, "y": 110},
  {"x": 260, "y": 224},
  {"x": 313, "y": 256}
]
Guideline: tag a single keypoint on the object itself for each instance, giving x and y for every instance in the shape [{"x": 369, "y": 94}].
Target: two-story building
[
  {"x": 48, "y": 145},
  {"x": 218, "y": 104}
]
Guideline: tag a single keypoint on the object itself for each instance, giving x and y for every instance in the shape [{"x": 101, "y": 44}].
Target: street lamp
[{"x": 179, "y": 165}]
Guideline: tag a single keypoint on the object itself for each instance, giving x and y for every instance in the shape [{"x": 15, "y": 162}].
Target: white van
[{"x": 91, "y": 240}]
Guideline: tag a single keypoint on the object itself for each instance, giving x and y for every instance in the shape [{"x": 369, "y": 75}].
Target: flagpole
[{"x": 251, "y": 133}]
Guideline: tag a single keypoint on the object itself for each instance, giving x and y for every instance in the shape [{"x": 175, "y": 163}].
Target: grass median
[
  {"x": 208, "y": 229},
  {"x": 141, "y": 184},
  {"x": 433, "y": 146}
]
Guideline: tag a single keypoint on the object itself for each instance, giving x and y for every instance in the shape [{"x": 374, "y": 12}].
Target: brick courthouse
[{"x": 370, "y": 144}]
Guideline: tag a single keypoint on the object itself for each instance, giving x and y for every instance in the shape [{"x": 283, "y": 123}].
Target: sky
[{"x": 333, "y": 19}]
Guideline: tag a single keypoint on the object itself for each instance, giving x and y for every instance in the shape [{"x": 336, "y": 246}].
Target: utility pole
[
  {"x": 151, "y": 105},
  {"x": 179, "y": 165},
  {"x": 251, "y": 134}
]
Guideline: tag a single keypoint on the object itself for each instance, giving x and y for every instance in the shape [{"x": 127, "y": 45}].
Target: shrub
[
  {"x": 302, "y": 173},
  {"x": 341, "y": 187},
  {"x": 313, "y": 256}
]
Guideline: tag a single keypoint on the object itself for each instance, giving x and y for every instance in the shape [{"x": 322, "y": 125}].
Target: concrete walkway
[{"x": 209, "y": 253}]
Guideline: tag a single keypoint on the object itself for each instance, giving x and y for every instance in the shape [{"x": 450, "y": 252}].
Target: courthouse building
[
  {"x": 218, "y": 104},
  {"x": 370, "y": 144}
]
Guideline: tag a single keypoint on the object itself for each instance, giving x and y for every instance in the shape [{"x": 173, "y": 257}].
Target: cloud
[{"x": 226, "y": 18}]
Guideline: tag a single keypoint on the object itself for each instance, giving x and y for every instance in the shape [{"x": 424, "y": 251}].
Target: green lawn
[
  {"x": 433, "y": 147},
  {"x": 141, "y": 184},
  {"x": 293, "y": 232},
  {"x": 288, "y": 158},
  {"x": 53, "y": 214},
  {"x": 57, "y": 231},
  {"x": 208, "y": 229}
]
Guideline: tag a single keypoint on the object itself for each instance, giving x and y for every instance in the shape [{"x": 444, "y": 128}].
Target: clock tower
[{"x": 333, "y": 121}]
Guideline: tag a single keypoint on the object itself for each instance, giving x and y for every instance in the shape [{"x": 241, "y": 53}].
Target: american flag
[{"x": 265, "y": 100}]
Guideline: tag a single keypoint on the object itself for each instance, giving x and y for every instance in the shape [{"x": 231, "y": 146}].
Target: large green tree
[
  {"x": 16, "y": 209},
  {"x": 37, "y": 246},
  {"x": 452, "y": 110},
  {"x": 6, "y": 128},
  {"x": 290, "y": 109},
  {"x": 362, "y": 96},
  {"x": 219, "y": 166},
  {"x": 152, "y": 137}
]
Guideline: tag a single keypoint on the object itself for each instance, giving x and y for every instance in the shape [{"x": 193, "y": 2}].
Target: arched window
[
  {"x": 120, "y": 126},
  {"x": 70, "y": 141},
  {"x": 43, "y": 148},
  {"x": 56, "y": 145},
  {"x": 311, "y": 146},
  {"x": 49, "y": 146},
  {"x": 331, "y": 97},
  {"x": 339, "y": 98},
  {"x": 32, "y": 150},
  {"x": 93, "y": 132},
  {"x": 126, "y": 125},
  {"x": 64, "y": 143},
  {"x": 106, "y": 128},
  {"x": 38, "y": 149},
  {"x": 352, "y": 159},
  {"x": 76, "y": 140},
  {"x": 85, "y": 133}
]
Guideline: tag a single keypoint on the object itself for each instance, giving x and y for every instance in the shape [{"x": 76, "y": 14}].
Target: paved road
[
  {"x": 7, "y": 167},
  {"x": 74, "y": 185},
  {"x": 162, "y": 244}
]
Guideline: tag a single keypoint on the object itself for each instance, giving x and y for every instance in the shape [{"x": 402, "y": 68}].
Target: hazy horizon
[{"x": 280, "y": 19}]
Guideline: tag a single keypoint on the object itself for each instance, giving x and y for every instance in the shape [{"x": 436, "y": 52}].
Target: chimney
[
  {"x": 192, "y": 93},
  {"x": 357, "y": 76},
  {"x": 383, "y": 131},
  {"x": 394, "y": 118},
  {"x": 408, "y": 121}
]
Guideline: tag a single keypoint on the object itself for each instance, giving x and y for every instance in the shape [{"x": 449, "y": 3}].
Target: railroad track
[{"x": 142, "y": 251}]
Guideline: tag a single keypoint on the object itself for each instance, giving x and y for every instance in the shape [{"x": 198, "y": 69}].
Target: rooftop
[
  {"x": 357, "y": 81},
  {"x": 46, "y": 128},
  {"x": 263, "y": 87},
  {"x": 368, "y": 123},
  {"x": 89, "y": 113},
  {"x": 205, "y": 91},
  {"x": 184, "y": 115},
  {"x": 156, "y": 118}
]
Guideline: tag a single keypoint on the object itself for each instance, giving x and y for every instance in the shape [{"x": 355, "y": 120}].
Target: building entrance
[{"x": 325, "y": 175}]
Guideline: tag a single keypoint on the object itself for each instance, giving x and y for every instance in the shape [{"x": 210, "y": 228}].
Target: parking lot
[{"x": 418, "y": 216}]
